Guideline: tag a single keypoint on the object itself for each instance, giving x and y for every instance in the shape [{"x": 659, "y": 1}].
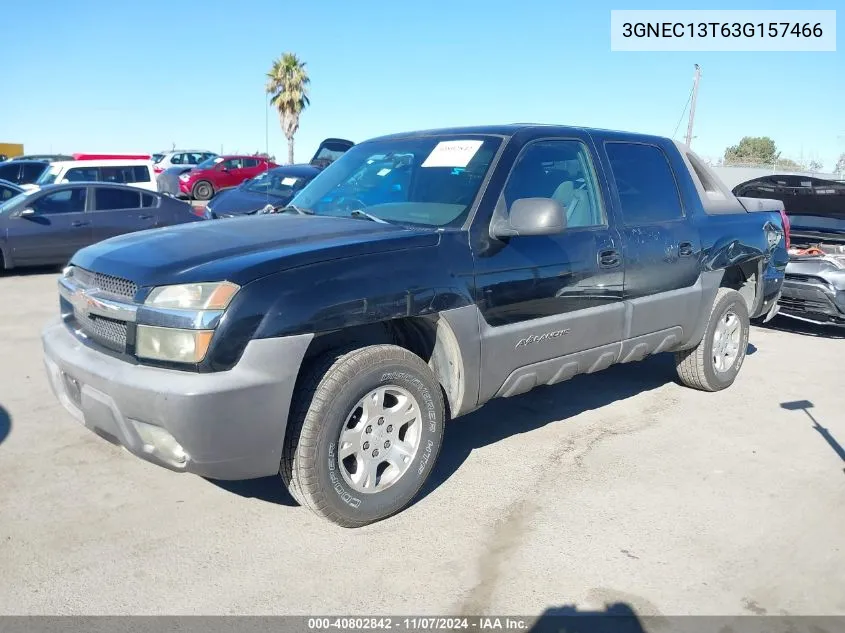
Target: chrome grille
[
  {"x": 116, "y": 286},
  {"x": 107, "y": 332}
]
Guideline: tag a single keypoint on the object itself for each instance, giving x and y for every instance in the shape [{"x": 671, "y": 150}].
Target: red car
[{"x": 221, "y": 172}]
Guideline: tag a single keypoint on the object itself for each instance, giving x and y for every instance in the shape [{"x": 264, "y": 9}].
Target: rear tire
[
  {"x": 203, "y": 190},
  {"x": 365, "y": 430},
  {"x": 714, "y": 363}
]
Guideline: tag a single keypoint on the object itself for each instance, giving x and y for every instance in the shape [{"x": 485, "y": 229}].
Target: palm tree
[{"x": 287, "y": 83}]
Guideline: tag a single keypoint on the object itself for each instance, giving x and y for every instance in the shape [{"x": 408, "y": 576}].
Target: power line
[{"x": 681, "y": 118}]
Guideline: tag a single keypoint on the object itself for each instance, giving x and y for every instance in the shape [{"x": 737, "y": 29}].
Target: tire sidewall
[
  {"x": 736, "y": 303},
  {"x": 339, "y": 494},
  {"x": 199, "y": 186}
]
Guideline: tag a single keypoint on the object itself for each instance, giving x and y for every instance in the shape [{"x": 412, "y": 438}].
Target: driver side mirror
[
  {"x": 533, "y": 216},
  {"x": 28, "y": 212}
]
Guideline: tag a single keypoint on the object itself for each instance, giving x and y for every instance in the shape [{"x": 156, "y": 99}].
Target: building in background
[{"x": 10, "y": 150}]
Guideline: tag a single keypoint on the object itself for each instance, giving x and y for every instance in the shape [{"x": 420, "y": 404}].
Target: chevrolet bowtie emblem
[{"x": 82, "y": 302}]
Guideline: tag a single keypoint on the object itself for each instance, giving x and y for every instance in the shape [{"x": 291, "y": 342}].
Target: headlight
[
  {"x": 170, "y": 344},
  {"x": 202, "y": 296}
]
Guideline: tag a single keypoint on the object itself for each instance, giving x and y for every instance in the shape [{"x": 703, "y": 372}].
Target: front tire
[
  {"x": 365, "y": 430},
  {"x": 203, "y": 190},
  {"x": 714, "y": 363}
]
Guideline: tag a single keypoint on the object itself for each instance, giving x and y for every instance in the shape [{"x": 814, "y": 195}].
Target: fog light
[{"x": 158, "y": 441}]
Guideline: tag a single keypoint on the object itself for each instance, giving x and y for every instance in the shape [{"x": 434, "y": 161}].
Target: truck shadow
[
  {"x": 804, "y": 328},
  {"x": 505, "y": 417},
  {"x": 269, "y": 489}
]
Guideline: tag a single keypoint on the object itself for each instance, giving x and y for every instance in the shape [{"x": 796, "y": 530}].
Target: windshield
[
  {"x": 11, "y": 202},
  {"x": 211, "y": 162},
  {"x": 275, "y": 183},
  {"x": 427, "y": 181},
  {"x": 48, "y": 176}
]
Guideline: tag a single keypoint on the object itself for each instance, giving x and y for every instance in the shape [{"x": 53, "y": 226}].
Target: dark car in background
[
  {"x": 44, "y": 158},
  {"x": 329, "y": 151},
  {"x": 277, "y": 186},
  {"x": 22, "y": 172},
  {"x": 274, "y": 187},
  {"x": 48, "y": 225},
  {"x": 8, "y": 190}
]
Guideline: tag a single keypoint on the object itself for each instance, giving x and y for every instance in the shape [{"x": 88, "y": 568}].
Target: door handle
[
  {"x": 609, "y": 259},
  {"x": 685, "y": 249},
  {"x": 145, "y": 217},
  {"x": 78, "y": 223}
]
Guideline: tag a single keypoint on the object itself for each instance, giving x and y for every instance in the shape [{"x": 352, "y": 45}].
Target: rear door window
[
  {"x": 149, "y": 200},
  {"x": 109, "y": 199},
  {"x": 251, "y": 162},
  {"x": 645, "y": 182}
]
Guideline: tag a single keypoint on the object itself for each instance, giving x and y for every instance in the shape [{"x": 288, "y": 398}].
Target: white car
[
  {"x": 137, "y": 173},
  {"x": 180, "y": 158}
]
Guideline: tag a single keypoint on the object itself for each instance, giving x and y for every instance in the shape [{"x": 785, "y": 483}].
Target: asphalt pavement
[{"x": 620, "y": 487}]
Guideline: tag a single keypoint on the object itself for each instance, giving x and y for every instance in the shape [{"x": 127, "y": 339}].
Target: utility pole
[{"x": 692, "y": 103}]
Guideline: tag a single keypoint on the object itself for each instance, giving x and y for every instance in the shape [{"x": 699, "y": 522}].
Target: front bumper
[
  {"x": 812, "y": 298},
  {"x": 228, "y": 425}
]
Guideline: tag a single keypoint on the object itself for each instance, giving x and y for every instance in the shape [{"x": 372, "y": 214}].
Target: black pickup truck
[{"x": 416, "y": 278}]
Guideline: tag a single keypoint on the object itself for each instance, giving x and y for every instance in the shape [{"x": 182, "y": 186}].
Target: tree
[
  {"x": 752, "y": 149},
  {"x": 815, "y": 165},
  {"x": 840, "y": 165},
  {"x": 287, "y": 83},
  {"x": 787, "y": 164}
]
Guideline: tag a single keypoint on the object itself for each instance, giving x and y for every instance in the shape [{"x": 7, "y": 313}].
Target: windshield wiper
[
  {"x": 288, "y": 207},
  {"x": 358, "y": 213},
  {"x": 299, "y": 210}
]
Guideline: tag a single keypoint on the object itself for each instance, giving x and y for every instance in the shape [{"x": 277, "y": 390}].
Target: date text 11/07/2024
[{"x": 418, "y": 623}]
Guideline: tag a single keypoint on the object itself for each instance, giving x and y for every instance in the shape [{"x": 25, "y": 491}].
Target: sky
[{"x": 106, "y": 76}]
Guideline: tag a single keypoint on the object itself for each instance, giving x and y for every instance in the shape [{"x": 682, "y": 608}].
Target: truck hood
[{"x": 243, "y": 249}]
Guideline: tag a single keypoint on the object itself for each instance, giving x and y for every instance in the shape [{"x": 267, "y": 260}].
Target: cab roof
[{"x": 511, "y": 129}]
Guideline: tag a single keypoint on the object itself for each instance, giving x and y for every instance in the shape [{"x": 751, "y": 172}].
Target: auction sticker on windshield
[
  {"x": 289, "y": 182},
  {"x": 452, "y": 154}
]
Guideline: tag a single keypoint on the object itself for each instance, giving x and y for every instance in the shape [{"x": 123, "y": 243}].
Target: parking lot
[{"x": 621, "y": 487}]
